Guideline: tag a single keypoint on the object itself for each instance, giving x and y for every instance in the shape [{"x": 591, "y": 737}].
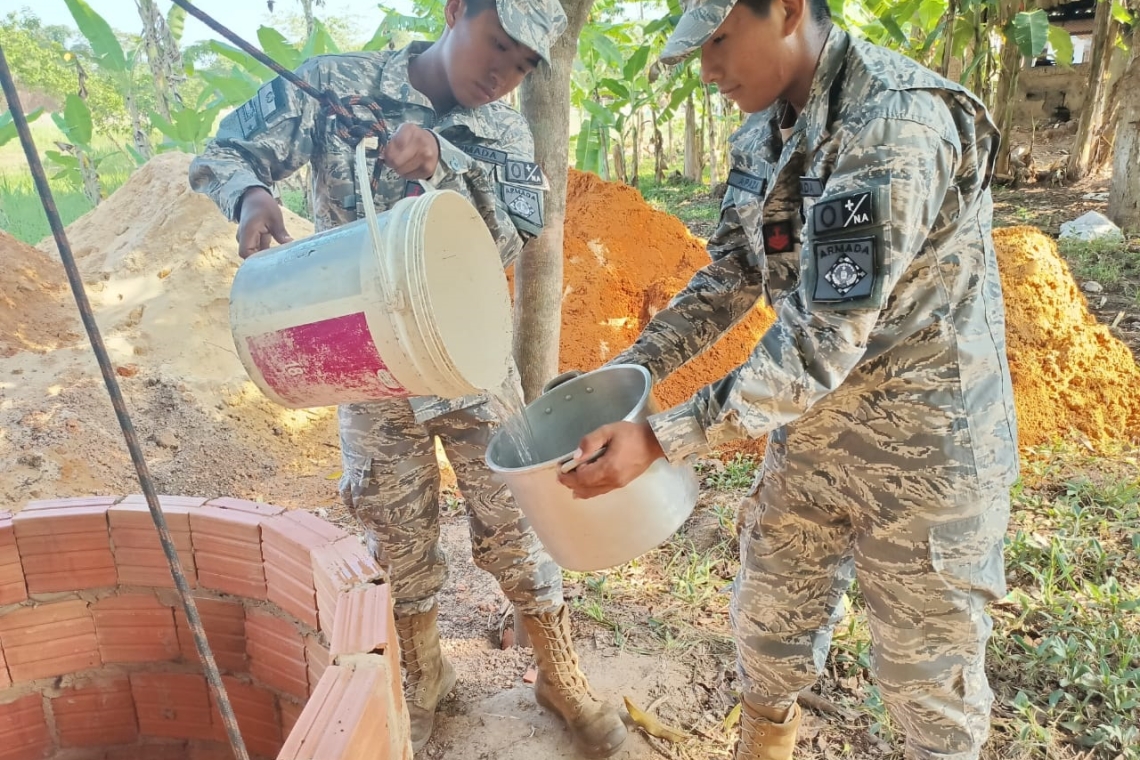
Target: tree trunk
[
  {"x": 538, "y": 273},
  {"x": 1105, "y": 28},
  {"x": 619, "y": 160},
  {"x": 948, "y": 38},
  {"x": 658, "y": 150},
  {"x": 1124, "y": 197},
  {"x": 693, "y": 169},
  {"x": 635, "y": 180},
  {"x": 1011, "y": 64},
  {"x": 669, "y": 154},
  {"x": 138, "y": 130},
  {"x": 163, "y": 57},
  {"x": 714, "y": 168}
]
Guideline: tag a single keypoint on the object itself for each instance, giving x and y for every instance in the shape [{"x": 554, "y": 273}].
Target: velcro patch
[
  {"x": 845, "y": 269},
  {"x": 845, "y": 212},
  {"x": 524, "y": 173},
  {"x": 524, "y": 204},
  {"x": 749, "y": 183},
  {"x": 811, "y": 187},
  {"x": 257, "y": 112},
  {"x": 413, "y": 189},
  {"x": 778, "y": 237},
  {"x": 485, "y": 154}
]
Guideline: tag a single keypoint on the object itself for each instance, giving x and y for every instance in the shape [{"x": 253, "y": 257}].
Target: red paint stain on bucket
[{"x": 329, "y": 359}]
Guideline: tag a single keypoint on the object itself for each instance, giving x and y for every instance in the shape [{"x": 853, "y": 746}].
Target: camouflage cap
[
  {"x": 534, "y": 23},
  {"x": 700, "y": 20}
]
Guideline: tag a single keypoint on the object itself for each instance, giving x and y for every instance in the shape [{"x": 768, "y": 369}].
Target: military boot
[
  {"x": 561, "y": 687},
  {"x": 762, "y": 738},
  {"x": 428, "y": 676}
]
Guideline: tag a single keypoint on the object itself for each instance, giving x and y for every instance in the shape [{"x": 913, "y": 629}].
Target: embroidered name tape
[
  {"x": 845, "y": 269},
  {"x": 811, "y": 187},
  {"x": 749, "y": 183},
  {"x": 524, "y": 173},
  {"x": 485, "y": 154},
  {"x": 845, "y": 212}
]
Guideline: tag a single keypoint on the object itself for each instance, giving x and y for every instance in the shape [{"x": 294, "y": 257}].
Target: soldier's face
[
  {"x": 483, "y": 63},
  {"x": 750, "y": 57}
]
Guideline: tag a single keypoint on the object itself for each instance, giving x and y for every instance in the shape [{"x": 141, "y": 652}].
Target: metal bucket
[{"x": 608, "y": 530}]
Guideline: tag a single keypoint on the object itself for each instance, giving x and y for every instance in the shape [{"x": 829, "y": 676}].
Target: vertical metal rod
[{"x": 212, "y": 674}]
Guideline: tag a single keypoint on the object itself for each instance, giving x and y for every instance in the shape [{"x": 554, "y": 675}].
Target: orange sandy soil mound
[
  {"x": 36, "y": 310},
  {"x": 624, "y": 260},
  {"x": 1069, "y": 372}
]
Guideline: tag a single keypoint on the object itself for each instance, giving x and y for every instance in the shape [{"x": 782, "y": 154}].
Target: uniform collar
[{"x": 394, "y": 80}]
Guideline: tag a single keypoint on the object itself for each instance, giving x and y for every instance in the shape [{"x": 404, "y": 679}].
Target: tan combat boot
[
  {"x": 761, "y": 738},
  {"x": 561, "y": 687},
  {"x": 428, "y": 676}
]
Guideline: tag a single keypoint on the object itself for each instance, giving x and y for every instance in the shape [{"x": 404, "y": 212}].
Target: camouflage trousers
[
  {"x": 391, "y": 483},
  {"x": 928, "y": 559}
]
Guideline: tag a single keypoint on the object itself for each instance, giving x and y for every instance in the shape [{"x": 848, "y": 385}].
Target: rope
[{"x": 213, "y": 676}]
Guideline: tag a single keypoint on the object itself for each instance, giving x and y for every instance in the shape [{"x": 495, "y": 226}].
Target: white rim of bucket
[{"x": 558, "y": 460}]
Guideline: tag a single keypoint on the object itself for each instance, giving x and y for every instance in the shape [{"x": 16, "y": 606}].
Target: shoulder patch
[
  {"x": 525, "y": 205},
  {"x": 845, "y": 269},
  {"x": 845, "y": 212},
  {"x": 747, "y": 182},
  {"x": 259, "y": 111},
  {"x": 523, "y": 173},
  {"x": 485, "y": 154}
]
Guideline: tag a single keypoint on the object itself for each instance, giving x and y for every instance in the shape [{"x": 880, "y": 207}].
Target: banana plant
[
  {"x": 76, "y": 160},
  {"x": 8, "y": 126}
]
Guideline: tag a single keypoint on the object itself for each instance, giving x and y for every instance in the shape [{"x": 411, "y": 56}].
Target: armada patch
[
  {"x": 485, "y": 154},
  {"x": 523, "y": 203},
  {"x": 845, "y": 269},
  {"x": 778, "y": 237},
  {"x": 845, "y": 212},
  {"x": 524, "y": 173},
  {"x": 749, "y": 183},
  {"x": 811, "y": 187}
]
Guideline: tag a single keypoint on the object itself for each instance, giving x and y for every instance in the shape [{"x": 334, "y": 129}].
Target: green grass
[
  {"x": 1105, "y": 261},
  {"x": 22, "y": 214},
  {"x": 689, "y": 201}
]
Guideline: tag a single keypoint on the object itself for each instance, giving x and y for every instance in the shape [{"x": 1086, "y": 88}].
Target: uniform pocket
[{"x": 968, "y": 555}]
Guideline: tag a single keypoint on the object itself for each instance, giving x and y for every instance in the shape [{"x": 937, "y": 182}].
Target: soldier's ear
[{"x": 453, "y": 11}]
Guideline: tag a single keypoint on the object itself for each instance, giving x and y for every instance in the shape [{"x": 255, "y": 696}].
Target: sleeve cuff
[
  {"x": 452, "y": 161},
  {"x": 230, "y": 193},
  {"x": 679, "y": 432}
]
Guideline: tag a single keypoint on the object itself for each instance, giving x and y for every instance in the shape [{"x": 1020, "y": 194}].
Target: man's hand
[
  {"x": 261, "y": 222},
  {"x": 631, "y": 447},
  {"x": 412, "y": 152}
]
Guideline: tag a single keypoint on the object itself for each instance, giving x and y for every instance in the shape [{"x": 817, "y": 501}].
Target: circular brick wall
[{"x": 97, "y": 659}]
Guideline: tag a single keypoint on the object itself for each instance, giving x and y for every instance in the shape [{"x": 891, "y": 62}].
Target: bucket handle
[{"x": 370, "y": 210}]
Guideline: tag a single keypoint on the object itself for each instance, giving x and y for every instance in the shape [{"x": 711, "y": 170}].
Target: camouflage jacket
[
  {"x": 282, "y": 129},
  {"x": 867, "y": 227}
]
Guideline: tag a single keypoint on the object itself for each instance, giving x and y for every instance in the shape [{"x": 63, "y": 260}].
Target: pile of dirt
[
  {"x": 624, "y": 260},
  {"x": 1069, "y": 372},
  {"x": 157, "y": 261},
  {"x": 37, "y": 312}
]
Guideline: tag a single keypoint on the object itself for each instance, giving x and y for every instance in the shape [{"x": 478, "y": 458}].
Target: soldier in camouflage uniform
[
  {"x": 859, "y": 207},
  {"x": 442, "y": 100}
]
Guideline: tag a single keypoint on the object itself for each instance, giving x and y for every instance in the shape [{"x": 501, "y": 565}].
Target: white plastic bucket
[
  {"x": 411, "y": 302},
  {"x": 604, "y": 531}
]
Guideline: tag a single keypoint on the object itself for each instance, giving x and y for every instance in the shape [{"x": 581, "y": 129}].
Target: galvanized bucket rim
[{"x": 562, "y": 458}]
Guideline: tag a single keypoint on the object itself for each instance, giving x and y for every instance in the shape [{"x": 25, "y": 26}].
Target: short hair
[{"x": 820, "y": 10}]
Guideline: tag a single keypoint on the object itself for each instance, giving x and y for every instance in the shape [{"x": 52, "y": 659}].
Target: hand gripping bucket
[
  {"x": 413, "y": 302},
  {"x": 609, "y": 530}
]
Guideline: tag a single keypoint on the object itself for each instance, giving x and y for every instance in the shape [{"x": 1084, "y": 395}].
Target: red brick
[
  {"x": 5, "y": 678},
  {"x": 229, "y": 524},
  {"x": 252, "y": 507},
  {"x": 13, "y": 589},
  {"x": 143, "y": 567},
  {"x": 24, "y": 730},
  {"x": 65, "y": 549},
  {"x": 98, "y": 714},
  {"x": 290, "y": 712},
  {"x": 224, "y": 623},
  {"x": 289, "y": 584},
  {"x": 49, "y": 640},
  {"x": 146, "y": 540},
  {"x": 135, "y": 628},
  {"x": 338, "y": 567},
  {"x": 78, "y": 501},
  {"x": 210, "y": 751},
  {"x": 168, "y": 503},
  {"x": 276, "y": 652},
  {"x": 231, "y": 575},
  {"x": 165, "y": 750},
  {"x": 174, "y": 705},
  {"x": 347, "y": 715},
  {"x": 139, "y": 556},
  {"x": 317, "y": 660},
  {"x": 257, "y": 717},
  {"x": 364, "y": 621}
]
